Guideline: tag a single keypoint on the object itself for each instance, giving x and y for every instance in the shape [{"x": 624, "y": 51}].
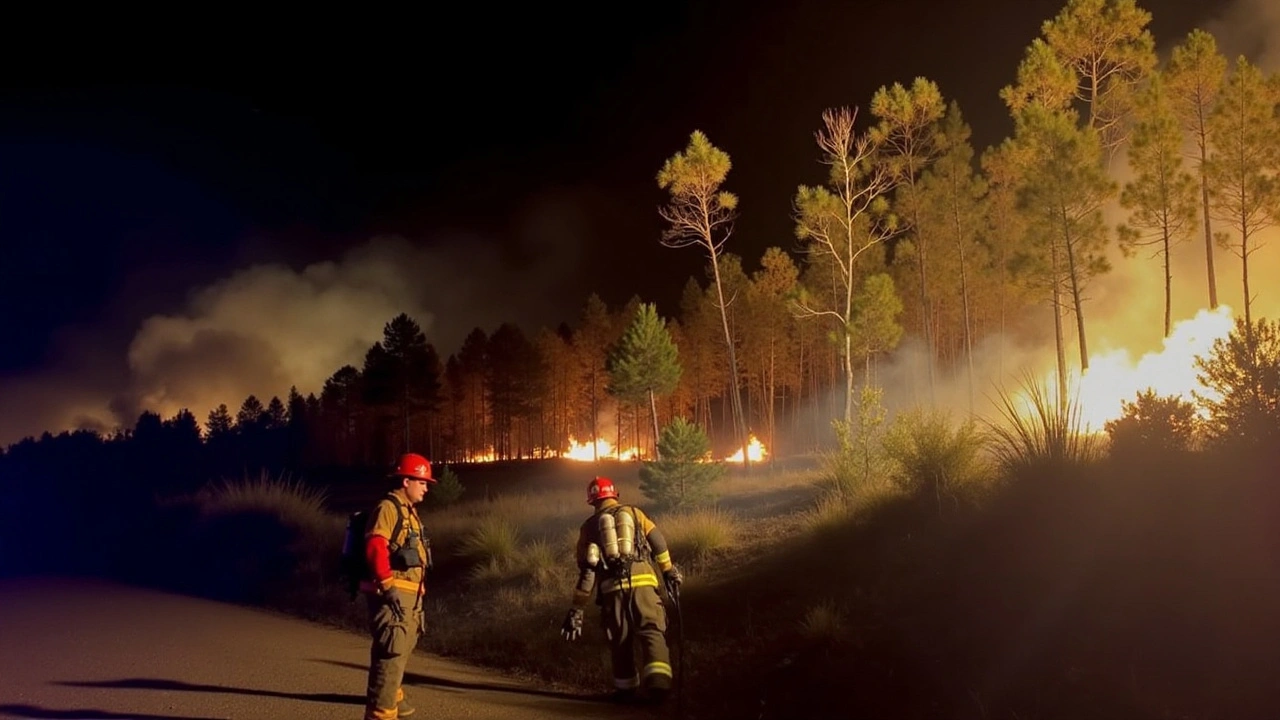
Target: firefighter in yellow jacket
[
  {"x": 398, "y": 557},
  {"x": 616, "y": 550}
]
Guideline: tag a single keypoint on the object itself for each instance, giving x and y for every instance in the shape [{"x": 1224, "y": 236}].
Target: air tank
[
  {"x": 626, "y": 533},
  {"x": 608, "y": 536}
]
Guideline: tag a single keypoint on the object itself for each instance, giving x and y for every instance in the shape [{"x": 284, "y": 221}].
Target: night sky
[{"x": 141, "y": 160}]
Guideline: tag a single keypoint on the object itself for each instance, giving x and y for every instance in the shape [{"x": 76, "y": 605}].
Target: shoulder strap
[{"x": 400, "y": 517}]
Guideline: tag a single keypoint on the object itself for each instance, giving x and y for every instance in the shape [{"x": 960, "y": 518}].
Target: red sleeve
[{"x": 378, "y": 556}]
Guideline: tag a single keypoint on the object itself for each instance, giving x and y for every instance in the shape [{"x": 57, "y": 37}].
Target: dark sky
[{"x": 142, "y": 158}]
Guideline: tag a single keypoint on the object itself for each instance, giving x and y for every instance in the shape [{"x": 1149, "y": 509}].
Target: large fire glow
[
  {"x": 756, "y": 451},
  {"x": 1114, "y": 377},
  {"x": 603, "y": 448}
]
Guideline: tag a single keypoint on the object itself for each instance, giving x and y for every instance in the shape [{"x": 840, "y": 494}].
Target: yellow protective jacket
[
  {"x": 382, "y": 524},
  {"x": 642, "y": 572}
]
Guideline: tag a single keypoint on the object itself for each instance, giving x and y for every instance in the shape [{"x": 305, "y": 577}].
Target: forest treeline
[{"x": 914, "y": 231}]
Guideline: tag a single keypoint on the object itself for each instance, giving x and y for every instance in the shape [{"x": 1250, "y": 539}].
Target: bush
[
  {"x": 265, "y": 540},
  {"x": 494, "y": 541},
  {"x": 1153, "y": 425},
  {"x": 1243, "y": 374},
  {"x": 683, "y": 477},
  {"x": 698, "y": 534},
  {"x": 823, "y": 623},
  {"x": 859, "y": 461},
  {"x": 934, "y": 456}
]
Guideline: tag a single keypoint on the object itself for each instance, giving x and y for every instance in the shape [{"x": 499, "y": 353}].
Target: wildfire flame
[
  {"x": 755, "y": 451},
  {"x": 1113, "y": 376},
  {"x": 486, "y": 456},
  {"x": 603, "y": 448}
]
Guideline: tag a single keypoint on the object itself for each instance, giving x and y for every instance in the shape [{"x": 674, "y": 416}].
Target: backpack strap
[
  {"x": 643, "y": 551},
  {"x": 400, "y": 519}
]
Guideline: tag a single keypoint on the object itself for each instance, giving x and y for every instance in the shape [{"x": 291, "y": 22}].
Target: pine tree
[
  {"x": 841, "y": 224},
  {"x": 645, "y": 363},
  {"x": 682, "y": 477},
  {"x": 701, "y": 213},
  {"x": 220, "y": 423},
  {"x": 1243, "y": 189},
  {"x": 1195, "y": 74},
  {"x": 1162, "y": 195}
]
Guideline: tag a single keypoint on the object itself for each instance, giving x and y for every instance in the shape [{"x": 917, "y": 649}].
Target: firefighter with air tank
[{"x": 616, "y": 551}]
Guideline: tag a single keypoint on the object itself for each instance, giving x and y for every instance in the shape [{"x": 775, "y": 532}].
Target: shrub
[
  {"x": 1242, "y": 372},
  {"x": 682, "y": 477},
  {"x": 1153, "y": 425},
  {"x": 539, "y": 562},
  {"x": 859, "y": 460},
  {"x": 823, "y": 623},
  {"x": 935, "y": 456},
  {"x": 291, "y": 500},
  {"x": 834, "y": 511},
  {"x": 265, "y": 540},
  {"x": 697, "y": 534},
  {"x": 1041, "y": 433},
  {"x": 494, "y": 540}
]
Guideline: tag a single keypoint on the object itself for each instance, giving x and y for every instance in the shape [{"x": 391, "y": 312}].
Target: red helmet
[
  {"x": 413, "y": 465},
  {"x": 599, "y": 489}
]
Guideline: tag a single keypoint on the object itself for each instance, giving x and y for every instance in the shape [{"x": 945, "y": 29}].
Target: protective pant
[
  {"x": 393, "y": 643},
  {"x": 631, "y": 617}
]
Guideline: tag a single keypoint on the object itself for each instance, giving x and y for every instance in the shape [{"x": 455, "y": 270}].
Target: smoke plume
[
  {"x": 265, "y": 328},
  {"x": 1250, "y": 28}
]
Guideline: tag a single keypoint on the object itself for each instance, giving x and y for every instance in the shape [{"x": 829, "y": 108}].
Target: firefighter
[
  {"x": 398, "y": 556},
  {"x": 617, "y": 547}
]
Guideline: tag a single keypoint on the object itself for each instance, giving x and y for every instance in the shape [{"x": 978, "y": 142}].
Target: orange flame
[
  {"x": 486, "y": 456},
  {"x": 1114, "y": 376},
  {"x": 603, "y": 448},
  {"x": 755, "y": 451}
]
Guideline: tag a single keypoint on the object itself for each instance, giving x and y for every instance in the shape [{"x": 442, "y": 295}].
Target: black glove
[
  {"x": 572, "y": 627},
  {"x": 673, "y": 577},
  {"x": 392, "y": 600}
]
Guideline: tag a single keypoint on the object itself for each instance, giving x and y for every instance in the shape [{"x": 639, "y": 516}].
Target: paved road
[{"x": 92, "y": 650}]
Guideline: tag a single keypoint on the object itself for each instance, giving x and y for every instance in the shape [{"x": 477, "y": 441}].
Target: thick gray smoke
[
  {"x": 264, "y": 328},
  {"x": 1250, "y": 28}
]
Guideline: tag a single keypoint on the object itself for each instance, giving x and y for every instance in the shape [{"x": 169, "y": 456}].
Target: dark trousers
[{"x": 637, "y": 617}]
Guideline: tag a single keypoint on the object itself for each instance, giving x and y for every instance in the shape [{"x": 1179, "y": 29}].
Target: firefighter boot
[
  {"x": 657, "y": 695},
  {"x": 403, "y": 708},
  {"x": 623, "y": 696}
]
